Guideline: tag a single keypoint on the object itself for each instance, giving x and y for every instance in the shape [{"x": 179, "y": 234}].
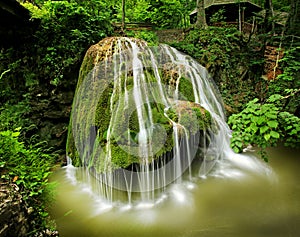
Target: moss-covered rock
[{"x": 109, "y": 127}]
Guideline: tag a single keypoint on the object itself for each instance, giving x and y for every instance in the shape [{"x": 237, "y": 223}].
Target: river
[{"x": 238, "y": 203}]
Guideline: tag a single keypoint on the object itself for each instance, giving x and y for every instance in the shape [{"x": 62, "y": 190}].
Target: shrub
[{"x": 29, "y": 168}]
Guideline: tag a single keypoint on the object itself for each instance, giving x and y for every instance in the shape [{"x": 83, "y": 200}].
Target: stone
[{"x": 93, "y": 118}]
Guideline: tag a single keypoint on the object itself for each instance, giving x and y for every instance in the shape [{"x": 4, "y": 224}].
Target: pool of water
[{"x": 232, "y": 201}]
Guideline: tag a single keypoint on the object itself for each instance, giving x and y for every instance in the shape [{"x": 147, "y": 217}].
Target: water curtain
[{"x": 142, "y": 116}]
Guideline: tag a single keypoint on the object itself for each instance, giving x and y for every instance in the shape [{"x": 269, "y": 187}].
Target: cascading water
[{"x": 142, "y": 116}]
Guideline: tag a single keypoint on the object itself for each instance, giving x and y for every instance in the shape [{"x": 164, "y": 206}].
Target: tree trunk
[
  {"x": 201, "y": 19},
  {"x": 123, "y": 16},
  {"x": 269, "y": 24},
  {"x": 293, "y": 24}
]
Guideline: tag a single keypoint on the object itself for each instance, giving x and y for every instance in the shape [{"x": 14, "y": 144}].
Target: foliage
[
  {"x": 227, "y": 58},
  {"x": 218, "y": 16},
  {"x": 212, "y": 47},
  {"x": 138, "y": 11},
  {"x": 266, "y": 122},
  {"x": 167, "y": 14},
  {"x": 14, "y": 116},
  {"x": 149, "y": 36},
  {"x": 161, "y": 13},
  {"x": 65, "y": 32},
  {"x": 29, "y": 168},
  {"x": 60, "y": 35},
  {"x": 36, "y": 12},
  {"x": 264, "y": 125},
  {"x": 289, "y": 80}
]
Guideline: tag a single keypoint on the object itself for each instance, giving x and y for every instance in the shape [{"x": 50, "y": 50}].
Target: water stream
[
  {"x": 186, "y": 191},
  {"x": 235, "y": 202},
  {"x": 142, "y": 117}
]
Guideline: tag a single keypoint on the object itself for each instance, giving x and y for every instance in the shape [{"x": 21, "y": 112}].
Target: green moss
[
  {"x": 168, "y": 144},
  {"x": 103, "y": 114},
  {"x": 71, "y": 148},
  {"x": 158, "y": 114},
  {"x": 203, "y": 118},
  {"x": 125, "y": 129},
  {"x": 121, "y": 158},
  {"x": 186, "y": 90},
  {"x": 86, "y": 67},
  {"x": 190, "y": 122},
  {"x": 133, "y": 122},
  {"x": 172, "y": 115}
]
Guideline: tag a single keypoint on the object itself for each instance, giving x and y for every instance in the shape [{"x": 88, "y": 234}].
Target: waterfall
[{"x": 135, "y": 120}]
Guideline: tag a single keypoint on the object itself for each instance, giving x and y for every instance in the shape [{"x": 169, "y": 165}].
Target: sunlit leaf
[
  {"x": 273, "y": 123},
  {"x": 274, "y": 134},
  {"x": 263, "y": 129},
  {"x": 267, "y": 136}
]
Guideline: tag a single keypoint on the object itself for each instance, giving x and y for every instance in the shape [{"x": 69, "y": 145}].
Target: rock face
[
  {"x": 124, "y": 103},
  {"x": 50, "y": 112},
  {"x": 13, "y": 214}
]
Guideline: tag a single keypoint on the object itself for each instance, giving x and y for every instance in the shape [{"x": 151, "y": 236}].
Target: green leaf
[
  {"x": 2, "y": 164},
  {"x": 267, "y": 136},
  {"x": 274, "y": 134},
  {"x": 254, "y": 119},
  {"x": 236, "y": 150},
  {"x": 260, "y": 120},
  {"x": 272, "y": 123},
  {"x": 272, "y": 115},
  {"x": 263, "y": 129},
  {"x": 254, "y": 127},
  {"x": 15, "y": 134}
]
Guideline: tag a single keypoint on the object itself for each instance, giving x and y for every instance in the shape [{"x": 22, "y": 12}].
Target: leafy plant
[
  {"x": 226, "y": 57},
  {"x": 218, "y": 16},
  {"x": 289, "y": 81},
  {"x": 29, "y": 168},
  {"x": 149, "y": 36},
  {"x": 54, "y": 45},
  {"x": 264, "y": 125}
]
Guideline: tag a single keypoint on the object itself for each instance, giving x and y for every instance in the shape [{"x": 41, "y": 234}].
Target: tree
[
  {"x": 123, "y": 15},
  {"x": 201, "y": 19},
  {"x": 275, "y": 118},
  {"x": 293, "y": 24},
  {"x": 269, "y": 17}
]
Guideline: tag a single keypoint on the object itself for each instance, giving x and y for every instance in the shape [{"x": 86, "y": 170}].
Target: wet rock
[{"x": 13, "y": 214}]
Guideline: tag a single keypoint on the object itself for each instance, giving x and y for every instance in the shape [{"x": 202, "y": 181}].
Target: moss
[
  {"x": 172, "y": 114},
  {"x": 158, "y": 114},
  {"x": 192, "y": 116},
  {"x": 133, "y": 122},
  {"x": 71, "y": 149},
  {"x": 125, "y": 119},
  {"x": 186, "y": 90},
  {"x": 103, "y": 115},
  {"x": 189, "y": 121},
  {"x": 168, "y": 144},
  {"x": 122, "y": 158},
  {"x": 203, "y": 118}
]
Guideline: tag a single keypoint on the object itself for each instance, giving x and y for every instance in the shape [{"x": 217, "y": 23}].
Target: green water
[{"x": 244, "y": 204}]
